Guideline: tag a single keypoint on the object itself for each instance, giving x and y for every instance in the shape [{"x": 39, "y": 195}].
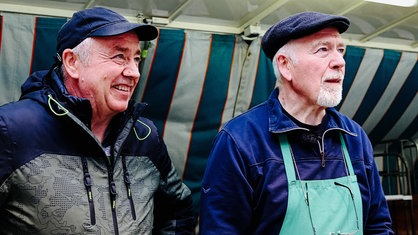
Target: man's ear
[
  {"x": 284, "y": 67},
  {"x": 70, "y": 62}
]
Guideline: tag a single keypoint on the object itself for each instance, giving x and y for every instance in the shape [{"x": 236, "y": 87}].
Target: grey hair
[
  {"x": 82, "y": 50},
  {"x": 276, "y": 69},
  {"x": 289, "y": 52}
]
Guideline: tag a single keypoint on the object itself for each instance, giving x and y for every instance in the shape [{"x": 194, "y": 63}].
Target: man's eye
[
  {"x": 322, "y": 49},
  {"x": 138, "y": 60},
  {"x": 119, "y": 58}
]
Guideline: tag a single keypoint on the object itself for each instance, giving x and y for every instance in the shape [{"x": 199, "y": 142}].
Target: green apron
[{"x": 321, "y": 207}]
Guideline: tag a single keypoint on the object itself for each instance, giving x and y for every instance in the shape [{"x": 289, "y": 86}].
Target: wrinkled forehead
[
  {"x": 126, "y": 41},
  {"x": 322, "y": 35},
  {"x": 128, "y": 37},
  {"x": 326, "y": 32}
]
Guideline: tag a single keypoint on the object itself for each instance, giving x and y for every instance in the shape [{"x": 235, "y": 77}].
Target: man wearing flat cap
[
  {"x": 293, "y": 164},
  {"x": 76, "y": 156}
]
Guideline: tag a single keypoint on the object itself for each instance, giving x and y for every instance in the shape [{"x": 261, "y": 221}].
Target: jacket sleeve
[
  {"x": 226, "y": 194},
  {"x": 6, "y": 157},
  {"x": 173, "y": 211},
  {"x": 377, "y": 218}
]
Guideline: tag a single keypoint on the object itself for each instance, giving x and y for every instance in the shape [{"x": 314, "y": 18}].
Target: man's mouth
[
  {"x": 122, "y": 87},
  {"x": 333, "y": 80}
]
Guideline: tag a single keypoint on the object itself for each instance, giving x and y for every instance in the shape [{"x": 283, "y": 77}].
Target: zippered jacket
[
  {"x": 57, "y": 178},
  {"x": 245, "y": 187}
]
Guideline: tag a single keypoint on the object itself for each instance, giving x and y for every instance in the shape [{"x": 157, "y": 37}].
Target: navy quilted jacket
[
  {"x": 244, "y": 189},
  {"x": 57, "y": 178}
]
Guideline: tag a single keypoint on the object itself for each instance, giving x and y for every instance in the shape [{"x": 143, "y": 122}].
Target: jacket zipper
[
  {"x": 127, "y": 179},
  {"x": 88, "y": 184},
  {"x": 321, "y": 144},
  {"x": 113, "y": 194}
]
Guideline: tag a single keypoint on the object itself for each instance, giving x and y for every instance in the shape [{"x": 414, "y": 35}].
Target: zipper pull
[
  {"x": 321, "y": 150},
  {"x": 113, "y": 193},
  {"x": 322, "y": 158}
]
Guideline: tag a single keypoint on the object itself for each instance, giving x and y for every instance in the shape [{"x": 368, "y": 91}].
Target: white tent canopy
[{"x": 373, "y": 24}]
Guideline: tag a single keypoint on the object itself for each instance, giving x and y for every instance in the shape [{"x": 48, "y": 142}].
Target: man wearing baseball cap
[
  {"x": 76, "y": 157},
  {"x": 293, "y": 164}
]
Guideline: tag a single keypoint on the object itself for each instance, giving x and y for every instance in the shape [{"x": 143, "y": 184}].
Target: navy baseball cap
[
  {"x": 99, "y": 22},
  {"x": 297, "y": 26}
]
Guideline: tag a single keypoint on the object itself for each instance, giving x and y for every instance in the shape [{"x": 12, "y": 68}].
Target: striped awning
[{"x": 196, "y": 81}]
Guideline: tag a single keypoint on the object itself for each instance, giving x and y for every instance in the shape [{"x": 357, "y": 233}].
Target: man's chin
[
  {"x": 328, "y": 102},
  {"x": 120, "y": 107},
  {"x": 329, "y": 97}
]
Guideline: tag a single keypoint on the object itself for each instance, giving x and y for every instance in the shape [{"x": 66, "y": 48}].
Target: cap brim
[{"x": 145, "y": 32}]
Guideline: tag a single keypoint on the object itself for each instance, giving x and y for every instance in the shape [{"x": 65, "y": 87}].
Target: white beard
[{"x": 331, "y": 95}]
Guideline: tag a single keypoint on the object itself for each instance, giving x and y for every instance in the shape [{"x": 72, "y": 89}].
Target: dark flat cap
[
  {"x": 99, "y": 22},
  {"x": 297, "y": 26}
]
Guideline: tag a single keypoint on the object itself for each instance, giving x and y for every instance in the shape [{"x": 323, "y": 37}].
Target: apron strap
[
  {"x": 346, "y": 155},
  {"x": 287, "y": 158}
]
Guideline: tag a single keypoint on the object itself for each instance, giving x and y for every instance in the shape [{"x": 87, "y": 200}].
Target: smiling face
[
  {"x": 316, "y": 67},
  {"x": 110, "y": 74}
]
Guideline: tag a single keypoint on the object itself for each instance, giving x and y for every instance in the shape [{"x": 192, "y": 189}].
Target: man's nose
[
  {"x": 338, "y": 60},
  {"x": 131, "y": 69}
]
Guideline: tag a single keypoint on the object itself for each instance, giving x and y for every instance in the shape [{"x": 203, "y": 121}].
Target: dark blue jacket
[
  {"x": 244, "y": 189},
  {"x": 57, "y": 178}
]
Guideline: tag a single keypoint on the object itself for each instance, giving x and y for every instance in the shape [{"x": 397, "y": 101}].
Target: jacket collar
[{"x": 280, "y": 123}]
